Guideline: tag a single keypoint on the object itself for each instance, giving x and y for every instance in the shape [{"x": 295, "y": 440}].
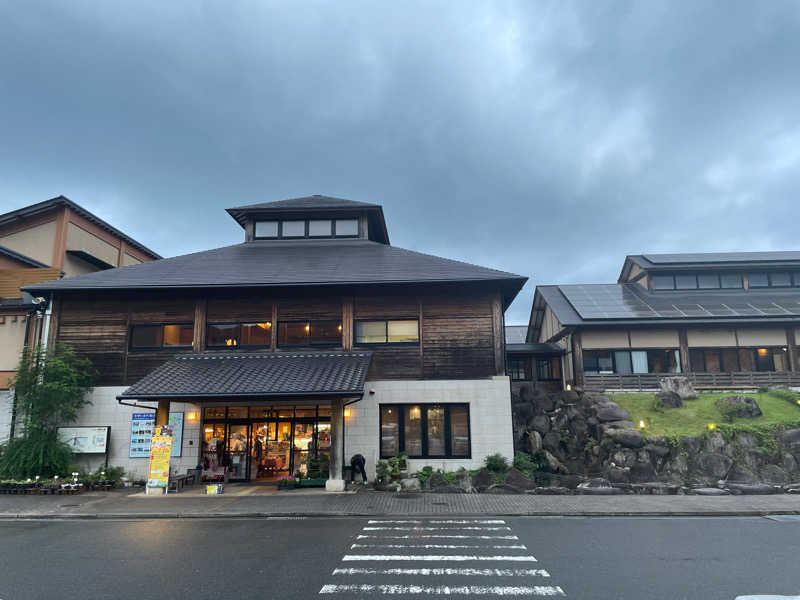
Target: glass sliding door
[{"x": 237, "y": 452}]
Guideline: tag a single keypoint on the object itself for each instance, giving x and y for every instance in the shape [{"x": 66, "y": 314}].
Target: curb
[{"x": 317, "y": 515}]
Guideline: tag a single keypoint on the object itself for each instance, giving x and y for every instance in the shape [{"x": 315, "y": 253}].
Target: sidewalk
[{"x": 241, "y": 503}]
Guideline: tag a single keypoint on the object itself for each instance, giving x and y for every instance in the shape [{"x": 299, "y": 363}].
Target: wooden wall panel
[
  {"x": 109, "y": 367},
  {"x": 301, "y": 308},
  {"x": 377, "y": 307},
  {"x": 395, "y": 363},
  {"x": 13, "y": 279},
  {"x": 162, "y": 310},
  {"x": 468, "y": 304},
  {"x": 458, "y": 363},
  {"x": 232, "y": 310},
  {"x": 473, "y": 332},
  {"x": 77, "y": 310}
]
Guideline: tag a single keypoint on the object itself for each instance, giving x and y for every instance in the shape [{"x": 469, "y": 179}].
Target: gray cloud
[{"x": 547, "y": 139}]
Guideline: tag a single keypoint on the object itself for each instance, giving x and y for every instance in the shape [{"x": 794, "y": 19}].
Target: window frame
[
  {"x": 512, "y": 369},
  {"x": 346, "y": 235},
  {"x": 386, "y": 332},
  {"x": 132, "y": 348},
  {"x": 752, "y": 350},
  {"x": 424, "y": 406},
  {"x": 309, "y": 343},
  {"x": 307, "y": 229},
  {"x": 239, "y": 344},
  {"x": 613, "y": 352},
  {"x": 267, "y": 237}
]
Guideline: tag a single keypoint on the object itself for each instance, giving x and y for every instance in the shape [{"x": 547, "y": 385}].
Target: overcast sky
[{"x": 546, "y": 139}]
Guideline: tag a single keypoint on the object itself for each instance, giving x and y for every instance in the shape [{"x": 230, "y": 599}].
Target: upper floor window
[
  {"x": 404, "y": 331},
  {"x": 697, "y": 281},
  {"x": 548, "y": 369},
  {"x": 309, "y": 333},
  {"x": 757, "y": 280},
  {"x": 731, "y": 281},
  {"x": 312, "y": 228},
  {"x": 518, "y": 369},
  {"x": 627, "y": 362},
  {"x": 156, "y": 336},
  {"x": 771, "y": 279},
  {"x": 234, "y": 335}
]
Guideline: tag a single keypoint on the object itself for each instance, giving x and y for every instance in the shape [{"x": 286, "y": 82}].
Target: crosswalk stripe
[
  {"x": 436, "y": 528},
  {"x": 440, "y": 546},
  {"x": 437, "y": 536},
  {"x": 447, "y": 571},
  {"x": 465, "y": 590},
  {"x": 432, "y": 557}
]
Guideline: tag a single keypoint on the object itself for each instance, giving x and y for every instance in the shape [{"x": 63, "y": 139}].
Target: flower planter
[{"x": 313, "y": 482}]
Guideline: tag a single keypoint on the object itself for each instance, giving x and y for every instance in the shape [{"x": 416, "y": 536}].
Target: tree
[{"x": 51, "y": 388}]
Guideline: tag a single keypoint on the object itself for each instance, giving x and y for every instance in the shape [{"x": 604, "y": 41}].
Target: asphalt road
[{"x": 591, "y": 558}]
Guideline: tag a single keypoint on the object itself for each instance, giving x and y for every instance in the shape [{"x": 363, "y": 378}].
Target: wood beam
[
  {"x": 499, "y": 335},
  {"x": 683, "y": 341},
  {"x": 791, "y": 349},
  {"x": 200, "y": 313},
  {"x": 273, "y": 338},
  {"x": 162, "y": 412},
  {"x": 577, "y": 358},
  {"x": 347, "y": 323},
  {"x": 60, "y": 242}
]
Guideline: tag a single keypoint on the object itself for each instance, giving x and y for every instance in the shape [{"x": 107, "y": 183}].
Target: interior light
[
  {"x": 340, "y": 328},
  {"x": 266, "y": 325},
  {"x": 762, "y": 351},
  {"x": 308, "y": 327},
  {"x": 347, "y": 413},
  {"x": 192, "y": 416},
  {"x": 569, "y": 387}
]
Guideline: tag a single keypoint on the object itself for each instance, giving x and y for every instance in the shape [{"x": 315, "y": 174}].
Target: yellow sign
[{"x": 160, "y": 451}]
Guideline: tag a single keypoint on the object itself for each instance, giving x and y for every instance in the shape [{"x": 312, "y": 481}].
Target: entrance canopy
[{"x": 259, "y": 375}]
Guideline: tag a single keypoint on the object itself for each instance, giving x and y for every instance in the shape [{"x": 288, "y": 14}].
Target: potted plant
[{"x": 286, "y": 482}]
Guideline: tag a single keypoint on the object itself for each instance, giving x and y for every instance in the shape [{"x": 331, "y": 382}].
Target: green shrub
[
  {"x": 727, "y": 409},
  {"x": 497, "y": 463},
  {"x": 38, "y": 453},
  {"x": 383, "y": 471}
]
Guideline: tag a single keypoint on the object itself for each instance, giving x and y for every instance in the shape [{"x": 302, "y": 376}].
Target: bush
[
  {"x": 38, "y": 453},
  {"x": 727, "y": 409},
  {"x": 497, "y": 463},
  {"x": 529, "y": 465},
  {"x": 383, "y": 471}
]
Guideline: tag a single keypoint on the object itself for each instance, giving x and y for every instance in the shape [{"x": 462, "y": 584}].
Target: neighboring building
[
  {"x": 313, "y": 337},
  {"x": 728, "y": 320},
  {"x": 45, "y": 241},
  {"x": 533, "y": 363}
]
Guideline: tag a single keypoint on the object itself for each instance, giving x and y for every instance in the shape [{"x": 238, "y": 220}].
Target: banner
[
  {"x": 142, "y": 433},
  {"x": 85, "y": 440},
  {"x": 160, "y": 449}
]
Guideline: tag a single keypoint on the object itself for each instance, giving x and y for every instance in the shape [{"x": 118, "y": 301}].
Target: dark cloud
[{"x": 548, "y": 139}]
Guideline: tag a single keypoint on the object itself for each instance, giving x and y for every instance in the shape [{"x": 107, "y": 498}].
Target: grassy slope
[{"x": 695, "y": 415}]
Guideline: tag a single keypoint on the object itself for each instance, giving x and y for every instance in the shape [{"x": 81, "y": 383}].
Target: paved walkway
[{"x": 236, "y": 503}]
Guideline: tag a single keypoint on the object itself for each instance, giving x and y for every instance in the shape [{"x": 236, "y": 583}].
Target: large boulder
[
  {"x": 618, "y": 475},
  {"x": 713, "y": 465},
  {"x": 791, "y": 438},
  {"x": 518, "y": 480},
  {"x": 774, "y": 474},
  {"x": 410, "y": 484},
  {"x": 534, "y": 441},
  {"x": 642, "y": 471},
  {"x": 540, "y": 423},
  {"x": 552, "y": 441},
  {"x": 629, "y": 438},
  {"x": 482, "y": 480},
  {"x": 678, "y": 384},
  {"x": 503, "y": 488},
  {"x": 669, "y": 399},
  {"x": 743, "y": 407},
  {"x": 752, "y": 488},
  {"x": 657, "y": 450},
  {"x": 553, "y": 464},
  {"x": 465, "y": 481},
  {"x": 608, "y": 413},
  {"x": 740, "y": 473}
]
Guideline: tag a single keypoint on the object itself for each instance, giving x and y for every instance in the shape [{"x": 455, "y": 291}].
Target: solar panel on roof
[{"x": 629, "y": 301}]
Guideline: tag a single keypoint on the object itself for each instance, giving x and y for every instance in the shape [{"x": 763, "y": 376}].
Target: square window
[
  {"x": 685, "y": 282},
  {"x": 320, "y": 228},
  {"x": 178, "y": 335},
  {"x": 293, "y": 229},
  {"x": 390, "y": 431},
  {"x": 731, "y": 281},
  {"x": 266, "y": 229},
  {"x": 146, "y": 336},
  {"x": 403, "y": 332},
  {"x": 757, "y": 280},
  {"x": 780, "y": 279},
  {"x": 370, "y": 332},
  {"x": 663, "y": 282},
  {"x": 708, "y": 281},
  {"x": 293, "y": 334},
  {"x": 346, "y": 227},
  {"x": 223, "y": 335},
  {"x": 256, "y": 334},
  {"x": 326, "y": 332},
  {"x": 459, "y": 431}
]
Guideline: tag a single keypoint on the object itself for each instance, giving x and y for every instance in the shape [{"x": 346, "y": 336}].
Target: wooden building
[
  {"x": 314, "y": 338},
  {"x": 726, "y": 320}
]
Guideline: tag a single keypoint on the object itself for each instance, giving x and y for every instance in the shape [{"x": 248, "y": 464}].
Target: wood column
[
  {"x": 162, "y": 412},
  {"x": 683, "y": 340},
  {"x": 335, "y": 481},
  {"x": 791, "y": 349},
  {"x": 121, "y": 257},
  {"x": 273, "y": 338},
  {"x": 347, "y": 323},
  {"x": 499, "y": 335},
  {"x": 60, "y": 242},
  {"x": 200, "y": 312},
  {"x": 577, "y": 358}
]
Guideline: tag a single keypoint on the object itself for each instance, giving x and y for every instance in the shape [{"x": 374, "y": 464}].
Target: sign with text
[
  {"x": 142, "y": 425},
  {"x": 85, "y": 440},
  {"x": 160, "y": 450}
]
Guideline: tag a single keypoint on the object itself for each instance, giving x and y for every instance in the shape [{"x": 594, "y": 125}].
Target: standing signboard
[
  {"x": 142, "y": 433},
  {"x": 160, "y": 450},
  {"x": 85, "y": 440}
]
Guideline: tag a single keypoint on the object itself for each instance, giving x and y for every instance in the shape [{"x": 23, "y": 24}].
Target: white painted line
[
  {"x": 448, "y": 522},
  {"x": 439, "y": 546},
  {"x": 436, "y": 528},
  {"x": 433, "y": 557},
  {"x": 443, "y": 536},
  {"x": 465, "y": 590},
  {"x": 441, "y": 572}
]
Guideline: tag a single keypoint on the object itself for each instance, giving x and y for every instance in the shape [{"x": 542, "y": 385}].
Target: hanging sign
[
  {"x": 142, "y": 433},
  {"x": 160, "y": 449}
]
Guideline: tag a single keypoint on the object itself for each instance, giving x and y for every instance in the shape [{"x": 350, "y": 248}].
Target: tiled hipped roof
[{"x": 255, "y": 375}]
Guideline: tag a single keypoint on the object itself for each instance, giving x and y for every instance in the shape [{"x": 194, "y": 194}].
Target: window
[
  {"x": 627, "y": 362},
  {"x": 319, "y": 228},
  {"x": 517, "y": 369},
  {"x": 346, "y": 227},
  {"x": 404, "y": 331},
  {"x": 734, "y": 360},
  {"x": 266, "y": 229},
  {"x": 233, "y": 335},
  {"x": 548, "y": 369},
  {"x": 757, "y": 280},
  {"x": 293, "y": 229},
  {"x": 731, "y": 281},
  {"x": 685, "y": 282},
  {"x": 425, "y": 430},
  {"x": 223, "y": 336},
  {"x": 708, "y": 281},
  {"x": 780, "y": 279},
  {"x": 663, "y": 282},
  {"x": 256, "y": 334},
  {"x": 151, "y": 337},
  {"x": 309, "y": 333}
]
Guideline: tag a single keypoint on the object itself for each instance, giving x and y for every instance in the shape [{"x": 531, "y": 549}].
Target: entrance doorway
[{"x": 261, "y": 443}]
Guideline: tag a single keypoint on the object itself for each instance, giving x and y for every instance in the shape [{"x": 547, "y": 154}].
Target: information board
[
  {"x": 85, "y": 440},
  {"x": 160, "y": 450},
  {"x": 142, "y": 425}
]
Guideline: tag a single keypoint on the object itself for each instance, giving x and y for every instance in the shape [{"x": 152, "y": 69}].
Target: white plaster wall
[
  {"x": 489, "y": 412},
  {"x": 105, "y": 410},
  {"x": 6, "y": 400}
]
